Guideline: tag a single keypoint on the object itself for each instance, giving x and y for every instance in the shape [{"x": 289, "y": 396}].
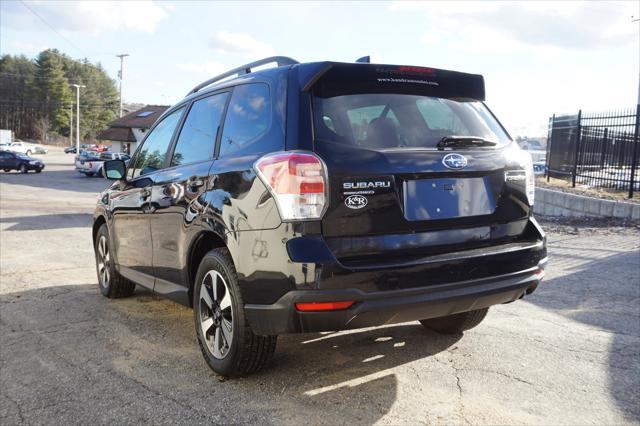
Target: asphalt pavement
[{"x": 567, "y": 354}]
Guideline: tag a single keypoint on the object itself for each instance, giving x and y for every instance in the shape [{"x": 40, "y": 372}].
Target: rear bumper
[{"x": 389, "y": 307}]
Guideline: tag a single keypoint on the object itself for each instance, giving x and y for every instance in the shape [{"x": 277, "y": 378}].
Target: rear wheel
[
  {"x": 456, "y": 323},
  {"x": 227, "y": 342},
  {"x": 112, "y": 284},
  {"x": 23, "y": 168}
]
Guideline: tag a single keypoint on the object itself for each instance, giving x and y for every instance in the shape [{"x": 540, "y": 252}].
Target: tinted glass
[
  {"x": 248, "y": 120},
  {"x": 391, "y": 121},
  {"x": 197, "y": 138},
  {"x": 152, "y": 155}
]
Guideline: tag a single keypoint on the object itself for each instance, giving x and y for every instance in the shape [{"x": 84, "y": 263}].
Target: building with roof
[{"x": 126, "y": 132}]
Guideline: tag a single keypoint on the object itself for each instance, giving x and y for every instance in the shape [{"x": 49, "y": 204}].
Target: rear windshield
[{"x": 391, "y": 121}]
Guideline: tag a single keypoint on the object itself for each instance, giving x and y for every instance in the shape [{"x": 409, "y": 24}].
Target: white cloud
[
  {"x": 87, "y": 17},
  {"x": 509, "y": 26},
  {"x": 241, "y": 43},
  {"x": 210, "y": 67}
]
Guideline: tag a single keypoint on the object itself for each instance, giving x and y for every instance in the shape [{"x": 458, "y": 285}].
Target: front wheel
[
  {"x": 228, "y": 344},
  {"x": 456, "y": 323},
  {"x": 112, "y": 284},
  {"x": 23, "y": 168},
  {"x": 38, "y": 170},
  {"x": 29, "y": 153},
  {"x": 89, "y": 174}
]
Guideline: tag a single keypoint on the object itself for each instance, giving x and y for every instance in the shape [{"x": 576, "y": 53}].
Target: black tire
[
  {"x": 247, "y": 353},
  {"x": 23, "y": 168},
  {"x": 89, "y": 174},
  {"x": 112, "y": 285},
  {"x": 29, "y": 153},
  {"x": 101, "y": 172},
  {"x": 7, "y": 170},
  {"x": 456, "y": 323},
  {"x": 38, "y": 170}
]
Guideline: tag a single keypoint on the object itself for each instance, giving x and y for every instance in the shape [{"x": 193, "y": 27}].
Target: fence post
[
  {"x": 634, "y": 156},
  {"x": 549, "y": 138},
  {"x": 575, "y": 160}
]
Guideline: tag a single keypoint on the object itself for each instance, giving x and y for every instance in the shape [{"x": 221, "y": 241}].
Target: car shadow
[
  {"x": 48, "y": 221},
  {"x": 138, "y": 337},
  {"x": 602, "y": 289}
]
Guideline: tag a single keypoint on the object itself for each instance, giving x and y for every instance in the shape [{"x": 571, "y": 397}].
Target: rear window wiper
[{"x": 464, "y": 141}]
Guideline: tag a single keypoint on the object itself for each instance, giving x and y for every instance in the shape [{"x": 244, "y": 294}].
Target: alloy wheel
[
  {"x": 103, "y": 261},
  {"x": 216, "y": 317}
]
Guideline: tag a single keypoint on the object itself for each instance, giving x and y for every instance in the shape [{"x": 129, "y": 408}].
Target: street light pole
[
  {"x": 638, "y": 21},
  {"x": 78, "y": 86},
  {"x": 121, "y": 56},
  {"x": 71, "y": 124}
]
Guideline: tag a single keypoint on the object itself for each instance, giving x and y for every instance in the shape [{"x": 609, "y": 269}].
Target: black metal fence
[{"x": 596, "y": 149}]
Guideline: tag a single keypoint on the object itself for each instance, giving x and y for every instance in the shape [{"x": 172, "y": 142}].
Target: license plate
[{"x": 433, "y": 199}]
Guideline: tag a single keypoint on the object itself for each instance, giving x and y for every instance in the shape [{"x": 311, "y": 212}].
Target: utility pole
[
  {"x": 78, "y": 86},
  {"x": 638, "y": 21},
  {"x": 121, "y": 56},
  {"x": 71, "y": 124}
]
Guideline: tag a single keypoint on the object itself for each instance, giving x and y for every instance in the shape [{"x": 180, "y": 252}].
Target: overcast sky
[{"x": 538, "y": 58}]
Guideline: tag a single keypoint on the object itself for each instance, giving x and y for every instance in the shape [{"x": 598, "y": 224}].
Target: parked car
[
  {"x": 91, "y": 165},
  {"x": 72, "y": 149},
  {"x": 19, "y": 147},
  {"x": 41, "y": 150},
  {"x": 319, "y": 197},
  {"x": 21, "y": 162}
]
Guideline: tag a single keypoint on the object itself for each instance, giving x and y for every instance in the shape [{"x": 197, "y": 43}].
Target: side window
[
  {"x": 154, "y": 151},
  {"x": 197, "y": 138},
  {"x": 248, "y": 119}
]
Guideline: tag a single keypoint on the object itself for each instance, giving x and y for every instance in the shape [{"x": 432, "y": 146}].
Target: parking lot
[{"x": 568, "y": 354}]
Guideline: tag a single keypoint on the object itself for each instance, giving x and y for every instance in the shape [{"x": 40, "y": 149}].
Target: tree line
[{"x": 37, "y": 99}]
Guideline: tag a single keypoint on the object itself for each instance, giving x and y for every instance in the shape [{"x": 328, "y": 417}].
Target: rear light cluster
[
  {"x": 526, "y": 164},
  {"x": 298, "y": 182}
]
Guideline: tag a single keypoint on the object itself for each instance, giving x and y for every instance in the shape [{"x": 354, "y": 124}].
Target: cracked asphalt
[{"x": 568, "y": 354}]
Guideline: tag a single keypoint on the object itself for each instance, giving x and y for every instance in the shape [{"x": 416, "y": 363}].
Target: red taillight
[
  {"x": 297, "y": 181},
  {"x": 324, "y": 306}
]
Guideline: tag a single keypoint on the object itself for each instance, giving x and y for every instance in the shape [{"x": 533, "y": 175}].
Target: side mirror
[{"x": 114, "y": 169}]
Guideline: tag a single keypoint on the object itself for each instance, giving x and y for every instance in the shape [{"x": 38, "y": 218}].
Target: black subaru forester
[{"x": 322, "y": 196}]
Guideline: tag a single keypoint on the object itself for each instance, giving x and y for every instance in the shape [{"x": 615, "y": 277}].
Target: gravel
[{"x": 567, "y": 354}]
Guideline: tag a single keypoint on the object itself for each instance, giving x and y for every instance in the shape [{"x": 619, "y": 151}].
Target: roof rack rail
[{"x": 245, "y": 69}]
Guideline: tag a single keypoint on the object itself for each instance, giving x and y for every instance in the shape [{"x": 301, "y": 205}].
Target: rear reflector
[{"x": 324, "y": 306}]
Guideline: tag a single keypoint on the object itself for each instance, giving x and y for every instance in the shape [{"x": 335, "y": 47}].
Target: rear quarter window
[{"x": 248, "y": 125}]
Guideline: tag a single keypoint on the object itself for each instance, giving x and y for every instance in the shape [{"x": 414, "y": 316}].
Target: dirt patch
[{"x": 564, "y": 185}]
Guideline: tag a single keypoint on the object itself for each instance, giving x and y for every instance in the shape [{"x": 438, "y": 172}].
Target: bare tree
[{"x": 43, "y": 125}]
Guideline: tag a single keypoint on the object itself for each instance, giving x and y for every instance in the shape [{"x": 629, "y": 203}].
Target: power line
[{"x": 52, "y": 28}]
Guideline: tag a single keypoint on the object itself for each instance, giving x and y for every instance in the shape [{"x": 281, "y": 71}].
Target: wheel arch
[
  {"x": 97, "y": 223},
  {"x": 202, "y": 244}
]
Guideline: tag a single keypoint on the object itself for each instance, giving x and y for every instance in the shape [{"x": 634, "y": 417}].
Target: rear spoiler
[{"x": 328, "y": 79}]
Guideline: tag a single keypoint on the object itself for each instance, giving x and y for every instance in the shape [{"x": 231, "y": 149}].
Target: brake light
[
  {"x": 298, "y": 182},
  {"x": 324, "y": 306}
]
